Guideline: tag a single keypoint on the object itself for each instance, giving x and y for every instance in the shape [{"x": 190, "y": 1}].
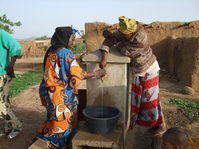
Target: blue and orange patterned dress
[{"x": 58, "y": 90}]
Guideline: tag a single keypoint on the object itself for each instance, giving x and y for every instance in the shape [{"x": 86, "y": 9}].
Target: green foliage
[
  {"x": 191, "y": 108},
  {"x": 6, "y": 24},
  {"x": 23, "y": 81},
  {"x": 79, "y": 48},
  {"x": 43, "y": 38}
]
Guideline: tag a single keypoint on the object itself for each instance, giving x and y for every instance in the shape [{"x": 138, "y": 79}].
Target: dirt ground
[{"x": 29, "y": 110}]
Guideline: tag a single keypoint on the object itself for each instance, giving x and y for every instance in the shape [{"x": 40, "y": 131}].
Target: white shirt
[{"x": 154, "y": 68}]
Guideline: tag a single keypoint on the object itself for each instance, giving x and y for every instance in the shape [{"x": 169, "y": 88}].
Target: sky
[{"x": 41, "y": 17}]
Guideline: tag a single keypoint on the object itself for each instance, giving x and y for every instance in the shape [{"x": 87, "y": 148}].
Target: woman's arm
[
  {"x": 89, "y": 75},
  {"x": 110, "y": 40},
  {"x": 97, "y": 73},
  {"x": 10, "y": 68},
  {"x": 103, "y": 62}
]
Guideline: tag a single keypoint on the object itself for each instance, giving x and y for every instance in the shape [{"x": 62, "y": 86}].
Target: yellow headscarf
[{"x": 127, "y": 25}]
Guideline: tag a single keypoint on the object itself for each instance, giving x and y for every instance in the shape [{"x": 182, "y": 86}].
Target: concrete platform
[
  {"x": 39, "y": 144},
  {"x": 85, "y": 138}
]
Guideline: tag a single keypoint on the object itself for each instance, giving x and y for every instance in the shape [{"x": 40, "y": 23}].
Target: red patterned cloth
[{"x": 145, "y": 106}]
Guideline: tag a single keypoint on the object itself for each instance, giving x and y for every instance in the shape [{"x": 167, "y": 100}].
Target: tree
[{"x": 6, "y": 24}]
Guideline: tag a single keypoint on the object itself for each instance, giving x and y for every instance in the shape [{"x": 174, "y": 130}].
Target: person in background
[
  {"x": 59, "y": 88},
  {"x": 10, "y": 50},
  {"x": 177, "y": 138},
  {"x": 131, "y": 40}
]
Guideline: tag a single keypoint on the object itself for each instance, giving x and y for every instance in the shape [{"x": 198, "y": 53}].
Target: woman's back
[{"x": 57, "y": 67}]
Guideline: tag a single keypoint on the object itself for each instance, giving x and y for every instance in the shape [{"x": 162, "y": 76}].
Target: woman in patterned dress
[{"x": 58, "y": 88}]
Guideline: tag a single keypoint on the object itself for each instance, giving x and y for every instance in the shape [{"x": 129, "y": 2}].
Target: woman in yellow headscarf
[{"x": 131, "y": 40}]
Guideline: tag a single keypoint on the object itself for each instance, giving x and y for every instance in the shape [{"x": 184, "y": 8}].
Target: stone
[
  {"x": 84, "y": 138},
  {"x": 39, "y": 144},
  {"x": 188, "y": 90},
  {"x": 113, "y": 57}
]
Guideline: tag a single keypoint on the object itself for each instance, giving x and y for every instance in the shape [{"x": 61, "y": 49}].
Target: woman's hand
[
  {"x": 10, "y": 68},
  {"x": 97, "y": 73},
  {"x": 100, "y": 73}
]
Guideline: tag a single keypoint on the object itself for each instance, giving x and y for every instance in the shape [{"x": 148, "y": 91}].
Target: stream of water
[{"x": 102, "y": 99}]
